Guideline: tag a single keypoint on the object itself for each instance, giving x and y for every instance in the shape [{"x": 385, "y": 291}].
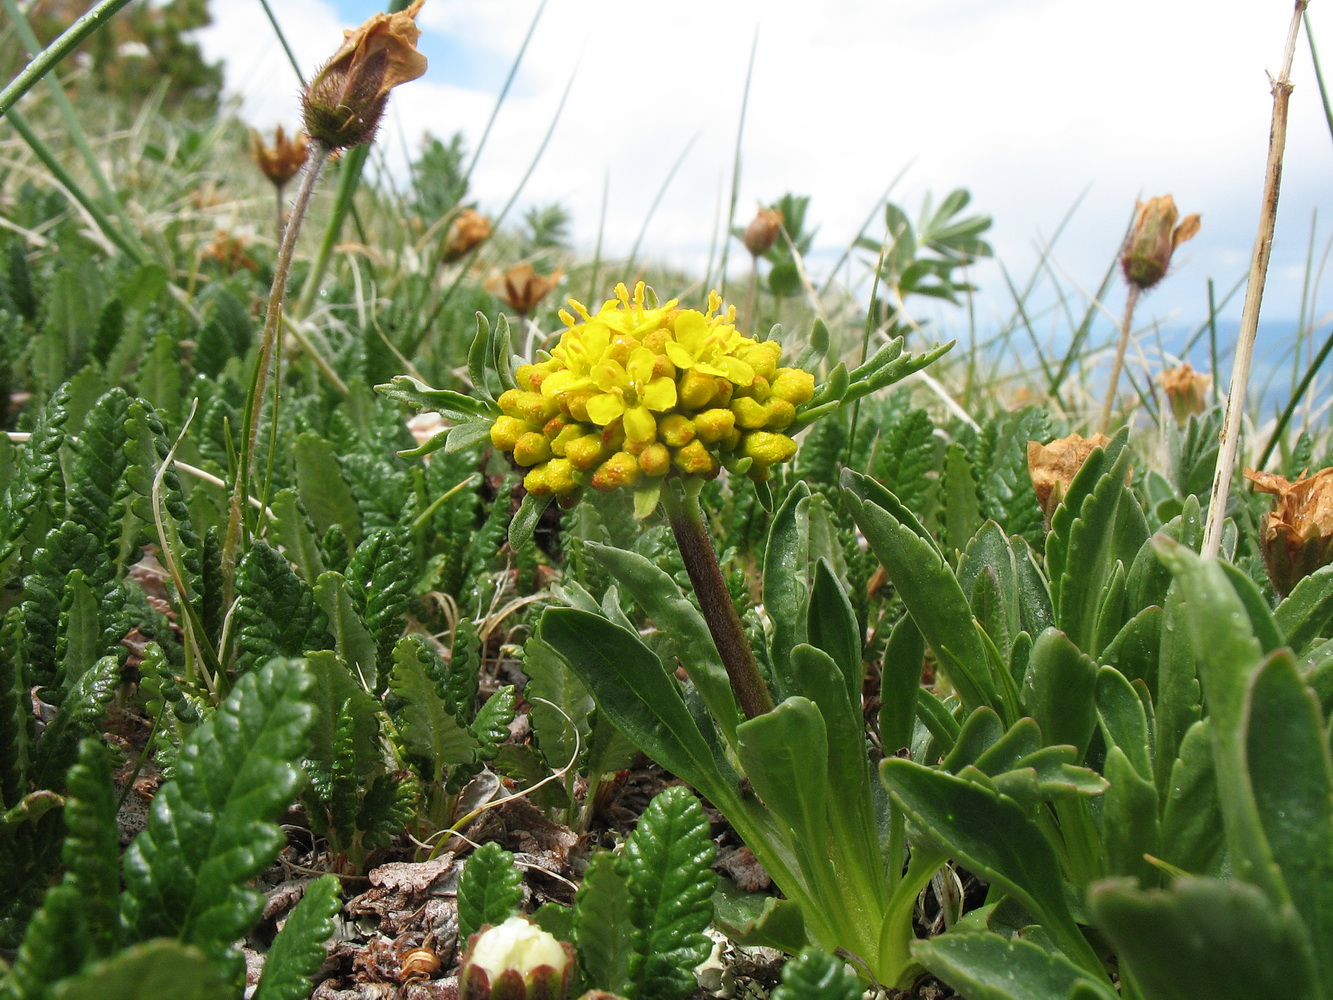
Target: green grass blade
[{"x": 53, "y": 54}]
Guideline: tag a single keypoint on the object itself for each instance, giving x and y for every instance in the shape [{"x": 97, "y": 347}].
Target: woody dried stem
[
  {"x": 1254, "y": 291},
  {"x": 268, "y": 360},
  {"x": 696, "y": 550}
]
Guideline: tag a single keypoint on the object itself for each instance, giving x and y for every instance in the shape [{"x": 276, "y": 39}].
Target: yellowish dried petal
[
  {"x": 1298, "y": 532},
  {"x": 1053, "y": 466}
]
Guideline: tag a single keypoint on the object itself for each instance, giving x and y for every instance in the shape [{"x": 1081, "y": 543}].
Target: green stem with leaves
[
  {"x": 268, "y": 358},
  {"x": 696, "y": 550}
]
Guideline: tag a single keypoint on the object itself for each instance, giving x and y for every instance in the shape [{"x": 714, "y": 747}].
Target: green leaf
[
  {"x": 1291, "y": 778},
  {"x": 927, "y": 586},
  {"x": 816, "y": 975},
  {"x": 1205, "y": 940},
  {"x": 900, "y": 683},
  {"x": 97, "y": 491},
  {"x": 833, "y": 627},
  {"x": 602, "y": 922},
  {"x": 381, "y": 575},
  {"x": 786, "y": 593},
  {"x": 993, "y": 836},
  {"x": 276, "y": 613},
  {"x": 525, "y": 520},
  {"x": 351, "y": 638},
  {"x": 991, "y": 967},
  {"x": 1192, "y": 818},
  {"x": 1307, "y": 612},
  {"x": 633, "y": 688},
  {"x": 324, "y": 492},
  {"x": 294, "y": 533},
  {"x": 80, "y": 715},
  {"x": 489, "y": 890},
  {"x": 1123, "y": 720},
  {"x": 681, "y": 625},
  {"x": 427, "y": 728},
  {"x": 298, "y": 951},
  {"x": 670, "y": 882},
  {"x": 211, "y": 829},
  {"x": 92, "y": 847},
  {"x": 1058, "y": 691},
  {"x": 785, "y": 755},
  {"x": 154, "y": 970},
  {"x": 559, "y": 703},
  {"x": 962, "y": 510},
  {"x": 1130, "y": 827},
  {"x": 335, "y": 693},
  {"x": 491, "y": 725}
]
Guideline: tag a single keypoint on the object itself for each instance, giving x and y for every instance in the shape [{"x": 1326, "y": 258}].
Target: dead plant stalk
[{"x": 1254, "y": 291}]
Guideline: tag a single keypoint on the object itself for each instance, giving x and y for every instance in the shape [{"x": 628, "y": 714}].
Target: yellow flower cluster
[{"x": 638, "y": 391}]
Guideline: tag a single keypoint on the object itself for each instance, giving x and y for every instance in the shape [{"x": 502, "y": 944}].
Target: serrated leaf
[
  {"x": 323, "y": 490},
  {"x": 79, "y": 716},
  {"x": 816, "y": 975},
  {"x": 601, "y": 917},
  {"x": 276, "y": 612},
  {"x": 670, "y": 885},
  {"x": 381, "y": 569},
  {"x": 298, "y": 951},
  {"x": 154, "y": 970},
  {"x": 426, "y": 726},
  {"x": 559, "y": 703},
  {"x": 211, "y": 829},
  {"x": 491, "y": 725},
  {"x": 92, "y": 847},
  {"x": 294, "y": 533},
  {"x": 489, "y": 890},
  {"x": 351, "y": 638}
]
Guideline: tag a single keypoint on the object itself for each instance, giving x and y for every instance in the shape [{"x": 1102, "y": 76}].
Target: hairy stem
[
  {"x": 1108, "y": 406},
  {"x": 696, "y": 549},
  {"x": 1254, "y": 293},
  {"x": 268, "y": 358}
]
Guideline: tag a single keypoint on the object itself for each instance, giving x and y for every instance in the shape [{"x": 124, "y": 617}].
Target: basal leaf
[
  {"x": 343, "y": 621},
  {"x": 489, "y": 890},
  {"x": 1058, "y": 691},
  {"x": 212, "y": 829},
  {"x": 559, "y": 703},
  {"x": 154, "y": 970},
  {"x": 92, "y": 847},
  {"x": 324, "y": 492},
  {"x": 276, "y": 612},
  {"x": 991, "y": 967},
  {"x": 670, "y": 886},
  {"x": 299, "y": 949},
  {"x": 601, "y": 919},
  {"x": 381, "y": 573},
  {"x": 817, "y": 975},
  {"x": 79, "y": 715},
  {"x": 426, "y": 726}
]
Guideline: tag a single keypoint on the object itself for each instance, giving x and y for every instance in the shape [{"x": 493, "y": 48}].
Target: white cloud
[{"x": 1029, "y": 103}]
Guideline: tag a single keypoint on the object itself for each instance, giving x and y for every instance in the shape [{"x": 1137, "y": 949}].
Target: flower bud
[
  {"x": 750, "y": 413},
  {"x": 1298, "y": 532},
  {"x": 765, "y": 450},
  {"x": 515, "y": 960},
  {"x": 795, "y": 385},
  {"x": 655, "y": 460},
  {"x": 762, "y": 232},
  {"x": 694, "y": 459},
  {"x": 506, "y": 431},
  {"x": 1053, "y": 466},
  {"x": 468, "y": 230},
  {"x": 1186, "y": 390},
  {"x": 713, "y": 425},
  {"x": 676, "y": 429},
  {"x": 621, "y": 469},
  {"x": 345, "y": 100},
  {"x": 532, "y": 448},
  {"x": 1155, "y": 236}
]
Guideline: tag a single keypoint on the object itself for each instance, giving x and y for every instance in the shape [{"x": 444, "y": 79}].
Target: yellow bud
[
  {"x": 675, "y": 429},
  {"x": 713, "y": 425},
  {"x": 621, "y": 469},
  {"x": 696, "y": 390},
  {"x": 586, "y": 451},
  {"x": 530, "y": 377},
  {"x": 566, "y": 434},
  {"x": 655, "y": 460},
  {"x": 526, "y": 405},
  {"x": 532, "y": 448},
  {"x": 780, "y": 414},
  {"x": 507, "y": 430},
  {"x": 795, "y": 385},
  {"x": 536, "y": 482},
  {"x": 750, "y": 413},
  {"x": 575, "y": 404},
  {"x": 766, "y": 449},
  {"x": 762, "y": 357},
  {"x": 560, "y": 477},
  {"x": 694, "y": 459}
]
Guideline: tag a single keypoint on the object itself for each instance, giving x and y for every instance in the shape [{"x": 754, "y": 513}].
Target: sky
[{"x": 1041, "y": 108}]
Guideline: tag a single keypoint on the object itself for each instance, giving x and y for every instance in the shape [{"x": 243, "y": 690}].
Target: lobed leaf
[
  {"x": 299, "y": 949},
  {"x": 489, "y": 890},
  {"x": 816, "y": 975}
]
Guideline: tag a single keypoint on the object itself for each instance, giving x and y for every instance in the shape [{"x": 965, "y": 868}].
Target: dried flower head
[
  {"x": 521, "y": 288},
  {"x": 1053, "y": 466},
  {"x": 762, "y": 232},
  {"x": 515, "y": 960},
  {"x": 1298, "y": 533},
  {"x": 639, "y": 391},
  {"x": 1186, "y": 389},
  {"x": 344, "y": 102},
  {"x": 1155, "y": 236},
  {"x": 282, "y": 161},
  {"x": 228, "y": 250},
  {"x": 468, "y": 230}
]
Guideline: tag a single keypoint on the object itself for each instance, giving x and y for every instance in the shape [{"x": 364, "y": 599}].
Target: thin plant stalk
[
  {"x": 51, "y": 56},
  {"x": 1254, "y": 292},
  {"x": 268, "y": 357},
  {"x": 1108, "y": 405},
  {"x": 282, "y": 40},
  {"x": 736, "y": 167},
  {"x": 696, "y": 550}
]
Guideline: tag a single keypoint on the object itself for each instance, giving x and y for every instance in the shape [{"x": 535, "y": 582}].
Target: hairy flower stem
[
  {"x": 1108, "y": 406},
  {"x": 268, "y": 358},
  {"x": 696, "y": 549}
]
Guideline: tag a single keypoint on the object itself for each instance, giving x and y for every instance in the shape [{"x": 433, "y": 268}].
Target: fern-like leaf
[
  {"x": 156, "y": 970},
  {"x": 667, "y": 863},
  {"x": 601, "y": 914},
  {"x": 381, "y": 574},
  {"x": 276, "y": 613},
  {"x": 35, "y": 486},
  {"x": 211, "y": 829},
  {"x": 298, "y": 951},
  {"x": 387, "y": 807},
  {"x": 79, "y": 715},
  {"x": 15, "y": 718},
  {"x": 92, "y": 847},
  {"x": 460, "y": 677},
  {"x": 815, "y": 975},
  {"x": 491, "y": 726},
  {"x": 489, "y": 890},
  {"x": 97, "y": 491},
  {"x": 427, "y": 728}
]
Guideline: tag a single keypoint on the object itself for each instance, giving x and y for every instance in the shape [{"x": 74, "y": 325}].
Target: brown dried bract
[
  {"x": 1153, "y": 239},
  {"x": 1298, "y": 532},
  {"x": 283, "y": 160},
  {"x": 468, "y": 230},
  {"x": 1186, "y": 389}
]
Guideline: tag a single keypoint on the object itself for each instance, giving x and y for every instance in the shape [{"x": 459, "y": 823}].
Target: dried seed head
[
  {"x": 1155, "y": 236},
  {"x": 283, "y": 160},
  {"x": 1298, "y": 532},
  {"x": 468, "y": 230},
  {"x": 344, "y": 102},
  {"x": 522, "y": 288},
  {"x": 1186, "y": 390}
]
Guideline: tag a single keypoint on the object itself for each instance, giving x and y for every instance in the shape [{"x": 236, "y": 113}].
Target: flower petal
[{"x": 604, "y": 408}]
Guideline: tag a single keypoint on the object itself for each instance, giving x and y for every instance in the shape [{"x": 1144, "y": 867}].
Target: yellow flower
[
  {"x": 706, "y": 344},
  {"x": 631, "y": 391}
]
